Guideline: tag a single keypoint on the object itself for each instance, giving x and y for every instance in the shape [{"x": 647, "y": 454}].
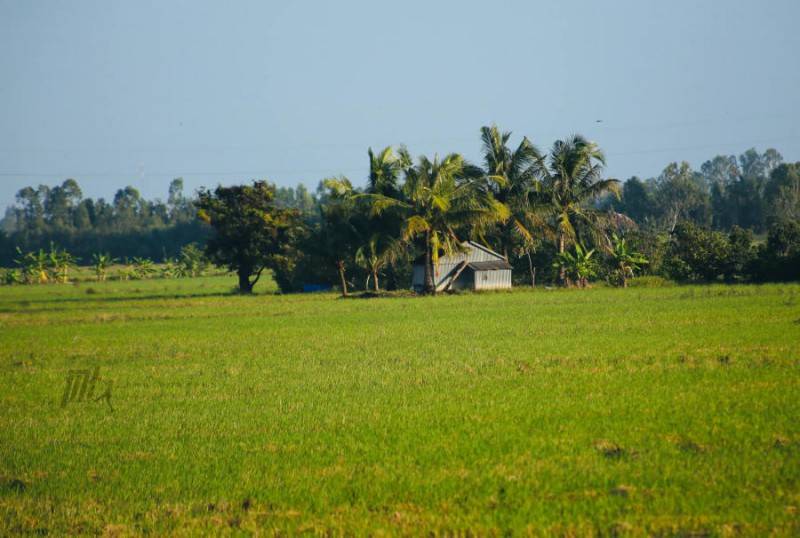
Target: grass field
[{"x": 669, "y": 411}]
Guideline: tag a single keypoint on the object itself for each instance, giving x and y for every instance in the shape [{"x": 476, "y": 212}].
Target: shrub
[
  {"x": 779, "y": 258},
  {"x": 696, "y": 254}
]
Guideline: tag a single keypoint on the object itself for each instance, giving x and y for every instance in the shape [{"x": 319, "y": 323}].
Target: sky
[{"x": 116, "y": 93}]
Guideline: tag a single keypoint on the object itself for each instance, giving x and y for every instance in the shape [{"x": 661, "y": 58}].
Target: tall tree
[
  {"x": 513, "y": 178},
  {"x": 681, "y": 195},
  {"x": 573, "y": 179},
  {"x": 340, "y": 228},
  {"x": 440, "y": 198},
  {"x": 251, "y": 232},
  {"x": 782, "y": 192}
]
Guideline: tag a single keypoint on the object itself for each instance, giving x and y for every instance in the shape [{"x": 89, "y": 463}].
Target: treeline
[
  {"x": 553, "y": 215},
  {"x": 750, "y": 191},
  {"x": 128, "y": 226}
]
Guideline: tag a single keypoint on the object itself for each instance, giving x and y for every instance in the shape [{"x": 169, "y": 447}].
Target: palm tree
[
  {"x": 513, "y": 179},
  {"x": 625, "y": 262},
  {"x": 439, "y": 198},
  {"x": 572, "y": 180},
  {"x": 385, "y": 169},
  {"x": 379, "y": 250},
  {"x": 338, "y": 226}
]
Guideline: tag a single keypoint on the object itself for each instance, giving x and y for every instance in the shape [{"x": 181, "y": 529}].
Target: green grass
[{"x": 670, "y": 411}]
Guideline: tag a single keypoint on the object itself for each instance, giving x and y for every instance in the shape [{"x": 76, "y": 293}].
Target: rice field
[{"x": 646, "y": 411}]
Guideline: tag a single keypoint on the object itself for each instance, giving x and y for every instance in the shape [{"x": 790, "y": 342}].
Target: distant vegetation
[
  {"x": 59, "y": 266},
  {"x": 554, "y": 215}
]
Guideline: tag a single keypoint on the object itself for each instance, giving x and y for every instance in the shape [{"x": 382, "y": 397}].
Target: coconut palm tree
[
  {"x": 361, "y": 235},
  {"x": 380, "y": 250},
  {"x": 573, "y": 178},
  {"x": 513, "y": 177},
  {"x": 439, "y": 198},
  {"x": 385, "y": 169},
  {"x": 339, "y": 229}
]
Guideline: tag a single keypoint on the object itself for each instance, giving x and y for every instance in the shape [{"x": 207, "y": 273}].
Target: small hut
[{"x": 475, "y": 268}]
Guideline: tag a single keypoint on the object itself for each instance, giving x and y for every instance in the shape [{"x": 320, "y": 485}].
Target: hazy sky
[{"x": 114, "y": 93}]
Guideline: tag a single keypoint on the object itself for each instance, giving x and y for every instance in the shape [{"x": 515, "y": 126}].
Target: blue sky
[{"x": 116, "y": 93}]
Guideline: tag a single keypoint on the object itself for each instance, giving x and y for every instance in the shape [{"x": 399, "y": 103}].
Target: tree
[
  {"x": 251, "y": 233},
  {"x": 572, "y": 179},
  {"x": 339, "y": 231},
  {"x": 681, "y": 195},
  {"x": 512, "y": 178},
  {"x": 782, "y": 192},
  {"x": 31, "y": 214},
  {"x": 637, "y": 200},
  {"x": 127, "y": 208},
  {"x": 379, "y": 250},
  {"x": 741, "y": 254},
  {"x": 778, "y": 259},
  {"x": 440, "y": 198},
  {"x": 719, "y": 174},
  {"x": 696, "y": 254}
]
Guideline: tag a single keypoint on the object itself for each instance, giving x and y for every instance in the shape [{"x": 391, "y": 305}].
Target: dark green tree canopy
[{"x": 251, "y": 233}]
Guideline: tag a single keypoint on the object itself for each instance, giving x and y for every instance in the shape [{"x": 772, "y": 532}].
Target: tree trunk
[
  {"x": 531, "y": 269},
  {"x": 244, "y": 280},
  {"x": 340, "y": 267},
  {"x": 375, "y": 280},
  {"x": 562, "y": 271},
  {"x": 429, "y": 286}
]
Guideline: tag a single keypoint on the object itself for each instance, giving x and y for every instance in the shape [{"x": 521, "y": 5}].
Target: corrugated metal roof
[
  {"x": 468, "y": 246},
  {"x": 489, "y": 266}
]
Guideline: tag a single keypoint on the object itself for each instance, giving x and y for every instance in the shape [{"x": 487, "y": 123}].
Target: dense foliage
[
  {"x": 252, "y": 232},
  {"x": 551, "y": 214}
]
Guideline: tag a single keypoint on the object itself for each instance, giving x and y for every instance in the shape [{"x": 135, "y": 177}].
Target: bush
[
  {"x": 779, "y": 258},
  {"x": 696, "y": 254}
]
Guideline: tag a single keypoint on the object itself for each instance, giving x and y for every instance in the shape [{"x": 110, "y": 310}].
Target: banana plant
[
  {"x": 577, "y": 267},
  {"x": 11, "y": 277},
  {"x": 192, "y": 261},
  {"x": 33, "y": 266},
  {"x": 60, "y": 261},
  {"x": 143, "y": 267},
  {"x": 173, "y": 269},
  {"x": 100, "y": 264},
  {"x": 625, "y": 263}
]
